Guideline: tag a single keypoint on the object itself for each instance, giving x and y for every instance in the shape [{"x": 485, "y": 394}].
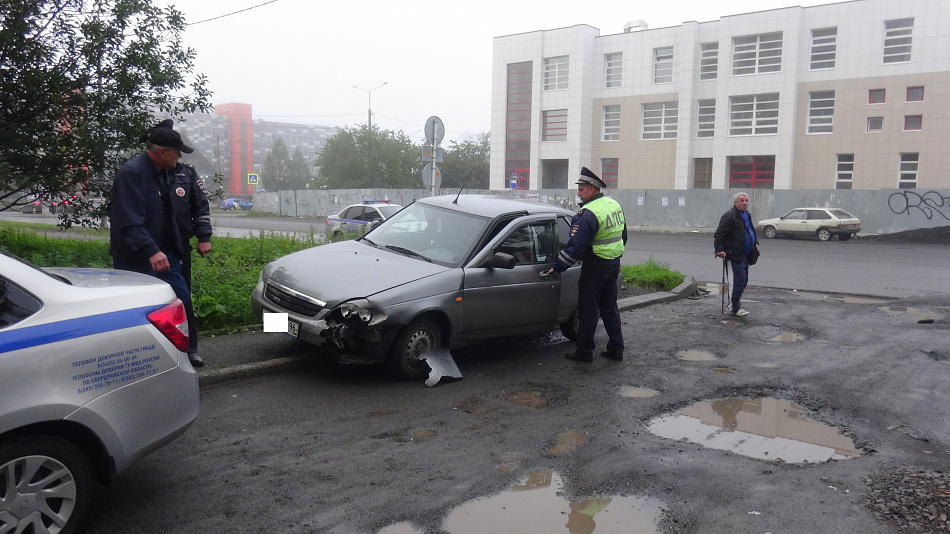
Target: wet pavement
[{"x": 816, "y": 413}]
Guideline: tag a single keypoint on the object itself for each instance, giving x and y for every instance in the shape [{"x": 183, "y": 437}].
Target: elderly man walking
[{"x": 734, "y": 242}]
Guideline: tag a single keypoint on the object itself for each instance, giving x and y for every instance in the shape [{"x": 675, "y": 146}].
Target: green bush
[{"x": 652, "y": 274}]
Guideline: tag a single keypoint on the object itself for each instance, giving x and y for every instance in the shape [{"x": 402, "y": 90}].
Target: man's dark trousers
[
  {"x": 740, "y": 278},
  {"x": 596, "y": 299}
]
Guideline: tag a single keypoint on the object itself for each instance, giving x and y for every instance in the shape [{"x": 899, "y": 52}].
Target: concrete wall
[{"x": 882, "y": 211}]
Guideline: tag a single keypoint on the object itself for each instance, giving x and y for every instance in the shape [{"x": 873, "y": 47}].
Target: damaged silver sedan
[{"x": 442, "y": 272}]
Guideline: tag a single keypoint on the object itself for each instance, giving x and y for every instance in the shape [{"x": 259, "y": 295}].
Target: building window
[
  {"x": 845, "y": 171},
  {"x": 556, "y": 70},
  {"x": 518, "y": 123},
  {"x": 709, "y": 61},
  {"x": 898, "y": 39},
  {"x": 609, "y": 171},
  {"x": 913, "y": 122},
  {"x": 824, "y": 47},
  {"x": 821, "y": 111},
  {"x": 707, "y": 118},
  {"x": 554, "y": 125},
  {"x": 752, "y": 172},
  {"x": 755, "y": 54},
  {"x": 753, "y": 114},
  {"x": 876, "y": 96},
  {"x": 613, "y": 70},
  {"x": 908, "y": 175},
  {"x": 915, "y": 94},
  {"x": 659, "y": 120},
  {"x": 875, "y": 124},
  {"x": 663, "y": 64},
  {"x": 611, "y": 125}
]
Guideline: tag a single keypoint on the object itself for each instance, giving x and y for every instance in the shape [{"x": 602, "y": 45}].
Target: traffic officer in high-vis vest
[{"x": 598, "y": 236}]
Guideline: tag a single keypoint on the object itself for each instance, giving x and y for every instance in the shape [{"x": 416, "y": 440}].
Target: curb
[{"x": 218, "y": 376}]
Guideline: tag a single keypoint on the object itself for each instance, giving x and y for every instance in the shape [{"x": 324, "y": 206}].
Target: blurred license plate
[{"x": 293, "y": 328}]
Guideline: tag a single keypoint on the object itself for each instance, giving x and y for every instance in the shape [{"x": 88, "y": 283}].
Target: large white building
[{"x": 846, "y": 95}]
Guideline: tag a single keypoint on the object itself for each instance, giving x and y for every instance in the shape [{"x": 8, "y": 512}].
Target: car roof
[{"x": 492, "y": 205}]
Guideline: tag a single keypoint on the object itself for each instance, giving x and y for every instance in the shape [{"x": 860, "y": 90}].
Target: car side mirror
[{"x": 499, "y": 260}]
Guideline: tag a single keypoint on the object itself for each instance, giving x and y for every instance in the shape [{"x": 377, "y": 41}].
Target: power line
[{"x": 229, "y": 14}]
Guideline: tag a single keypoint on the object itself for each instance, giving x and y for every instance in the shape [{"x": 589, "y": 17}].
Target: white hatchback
[
  {"x": 819, "y": 222},
  {"x": 94, "y": 375}
]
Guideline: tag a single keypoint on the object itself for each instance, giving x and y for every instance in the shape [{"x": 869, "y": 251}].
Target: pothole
[
  {"x": 637, "y": 393},
  {"x": 764, "y": 428},
  {"x": 723, "y": 370},
  {"x": 566, "y": 442},
  {"x": 424, "y": 433},
  {"x": 922, "y": 316},
  {"x": 696, "y": 356},
  {"x": 788, "y": 337},
  {"x": 531, "y": 399},
  {"x": 862, "y": 300},
  {"x": 537, "y": 504}
]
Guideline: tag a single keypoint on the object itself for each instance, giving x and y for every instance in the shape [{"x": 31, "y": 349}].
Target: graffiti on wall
[{"x": 929, "y": 204}]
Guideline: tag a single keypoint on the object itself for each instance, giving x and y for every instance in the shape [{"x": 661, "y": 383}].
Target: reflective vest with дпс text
[{"x": 608, "y": 243}]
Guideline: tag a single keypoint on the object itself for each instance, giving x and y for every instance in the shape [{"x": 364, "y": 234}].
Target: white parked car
[
  {"x": 94, "y": 375},
  {"x": 360, "y": 218},
  {"x": 820, "y": 222}
]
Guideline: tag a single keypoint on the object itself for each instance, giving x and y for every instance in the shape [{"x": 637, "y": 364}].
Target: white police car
[
  {"x": 360, "y": 218},
  {"x": 94, "y": 375}
]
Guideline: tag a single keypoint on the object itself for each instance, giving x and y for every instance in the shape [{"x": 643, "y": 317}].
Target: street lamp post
[{"x": 369, "y": 102}]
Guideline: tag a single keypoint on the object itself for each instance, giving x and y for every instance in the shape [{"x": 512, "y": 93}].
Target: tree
[
  {"x": 467, "y": 164},
  {"x": 276, "y": 172},
  {"x": 300, "y": 176},
  {"x": 82, "y": 80},
  {"x": 370, "y": 158}
]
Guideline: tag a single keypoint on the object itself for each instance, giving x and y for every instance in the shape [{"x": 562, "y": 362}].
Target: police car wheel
[{"x": 51, "y": 477}]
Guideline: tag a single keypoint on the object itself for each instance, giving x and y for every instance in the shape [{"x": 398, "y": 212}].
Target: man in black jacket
[
  {"x": 734, "y": 240},
  {"x": 157, "y": 205}
]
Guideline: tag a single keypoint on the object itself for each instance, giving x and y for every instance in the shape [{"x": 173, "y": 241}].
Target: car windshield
[
  {"x": 389, "y": 211},
  {"x": 438, "y": 235}
]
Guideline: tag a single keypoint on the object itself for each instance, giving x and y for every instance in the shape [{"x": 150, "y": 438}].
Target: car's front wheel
[
  {"x": 419, "y": 337},
  {"x": 48, "y": 483},
  {"x": 824, "y": 234},
  {"x": 770, "y": 232}
]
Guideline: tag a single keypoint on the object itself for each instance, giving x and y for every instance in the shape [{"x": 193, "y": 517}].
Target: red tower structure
[{"x": 241, "y": 146}]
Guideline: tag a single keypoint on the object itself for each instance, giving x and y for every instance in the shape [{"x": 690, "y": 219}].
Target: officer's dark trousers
[
  {"x": 597, "y": 298},
  {"x": 174, "y": 278}
]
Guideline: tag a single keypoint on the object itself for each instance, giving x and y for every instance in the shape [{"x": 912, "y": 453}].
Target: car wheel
[
  {"x": 570, "y": 326},
  {"x": 844, "y": 237},
  {"x": 419, "y": 337},
  {"x": 48, "y": 479},
  {"x": 770, "y": 232},
  {"x": 824, "y": 234}
]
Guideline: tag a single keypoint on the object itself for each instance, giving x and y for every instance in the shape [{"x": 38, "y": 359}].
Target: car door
[
  {"x": 793, "y": 222},
  {"x": 350, "y": 221},
  {"x": 521, "y": 300},
  {"x": 818, "y": 219}
]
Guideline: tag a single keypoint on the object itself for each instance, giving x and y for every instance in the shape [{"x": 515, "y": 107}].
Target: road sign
[
  {"x": 434, "y": 130},
  {"x": 427, "y": 178},
  {"x": 427, "y": 154},
  {"x": 252, "y": 178}
]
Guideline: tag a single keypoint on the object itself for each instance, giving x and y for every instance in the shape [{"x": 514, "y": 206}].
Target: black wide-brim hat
[
  {"x": 588, "y": 177},
  {"x": 162, "y": 135}
]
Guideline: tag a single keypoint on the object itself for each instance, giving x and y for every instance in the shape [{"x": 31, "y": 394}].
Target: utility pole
[{"x": 369, "y": 103}]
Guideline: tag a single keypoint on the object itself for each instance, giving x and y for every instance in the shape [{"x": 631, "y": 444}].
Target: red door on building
[
  {"x": 752, "y": 172},
  {"x": 519, "y": 179}
]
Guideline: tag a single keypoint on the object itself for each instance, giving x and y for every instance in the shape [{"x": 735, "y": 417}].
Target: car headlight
[{"x": 354, "y": 310}]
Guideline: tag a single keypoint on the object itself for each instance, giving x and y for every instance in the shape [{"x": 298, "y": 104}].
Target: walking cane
[{"x": 722, "y": 288}]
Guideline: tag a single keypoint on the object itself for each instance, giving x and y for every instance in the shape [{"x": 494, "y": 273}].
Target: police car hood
[{"x": 349, "y": 269}]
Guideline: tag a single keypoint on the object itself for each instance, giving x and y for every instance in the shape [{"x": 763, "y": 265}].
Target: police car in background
[
  {"x": 360, "y": 218},
  {"x": 94, "y": 375}
]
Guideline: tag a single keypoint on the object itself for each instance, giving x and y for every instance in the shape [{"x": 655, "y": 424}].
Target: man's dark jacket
[
  {"x": 730, "y": 235},
  {"x": 136, "y": 212}
]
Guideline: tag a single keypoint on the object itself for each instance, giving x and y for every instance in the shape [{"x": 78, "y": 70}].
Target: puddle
[
  {"x": 765, "y": 365},
  {"x": 531, "y": 399},
  {"x": 537, "y": 504},
  {"x": 566, "y": 443},
  {"x": 637, "y": 393},
  {"x": 696, "y": 356},
  {"x": 862, "y": 300},
  {"x": 764, "y": 428},
  {"x": 723, "y": 370},
  {"x": 422, "y": 434},
  {"x": 922, "y": 315},
  {"x": 788, "y": 337}
]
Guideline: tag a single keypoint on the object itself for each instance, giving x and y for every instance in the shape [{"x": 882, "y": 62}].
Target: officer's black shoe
[
  {"x": 196, "y": 361},
  {"x": 579, "y": 357},
  {"x": 613, "y": 355}
]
